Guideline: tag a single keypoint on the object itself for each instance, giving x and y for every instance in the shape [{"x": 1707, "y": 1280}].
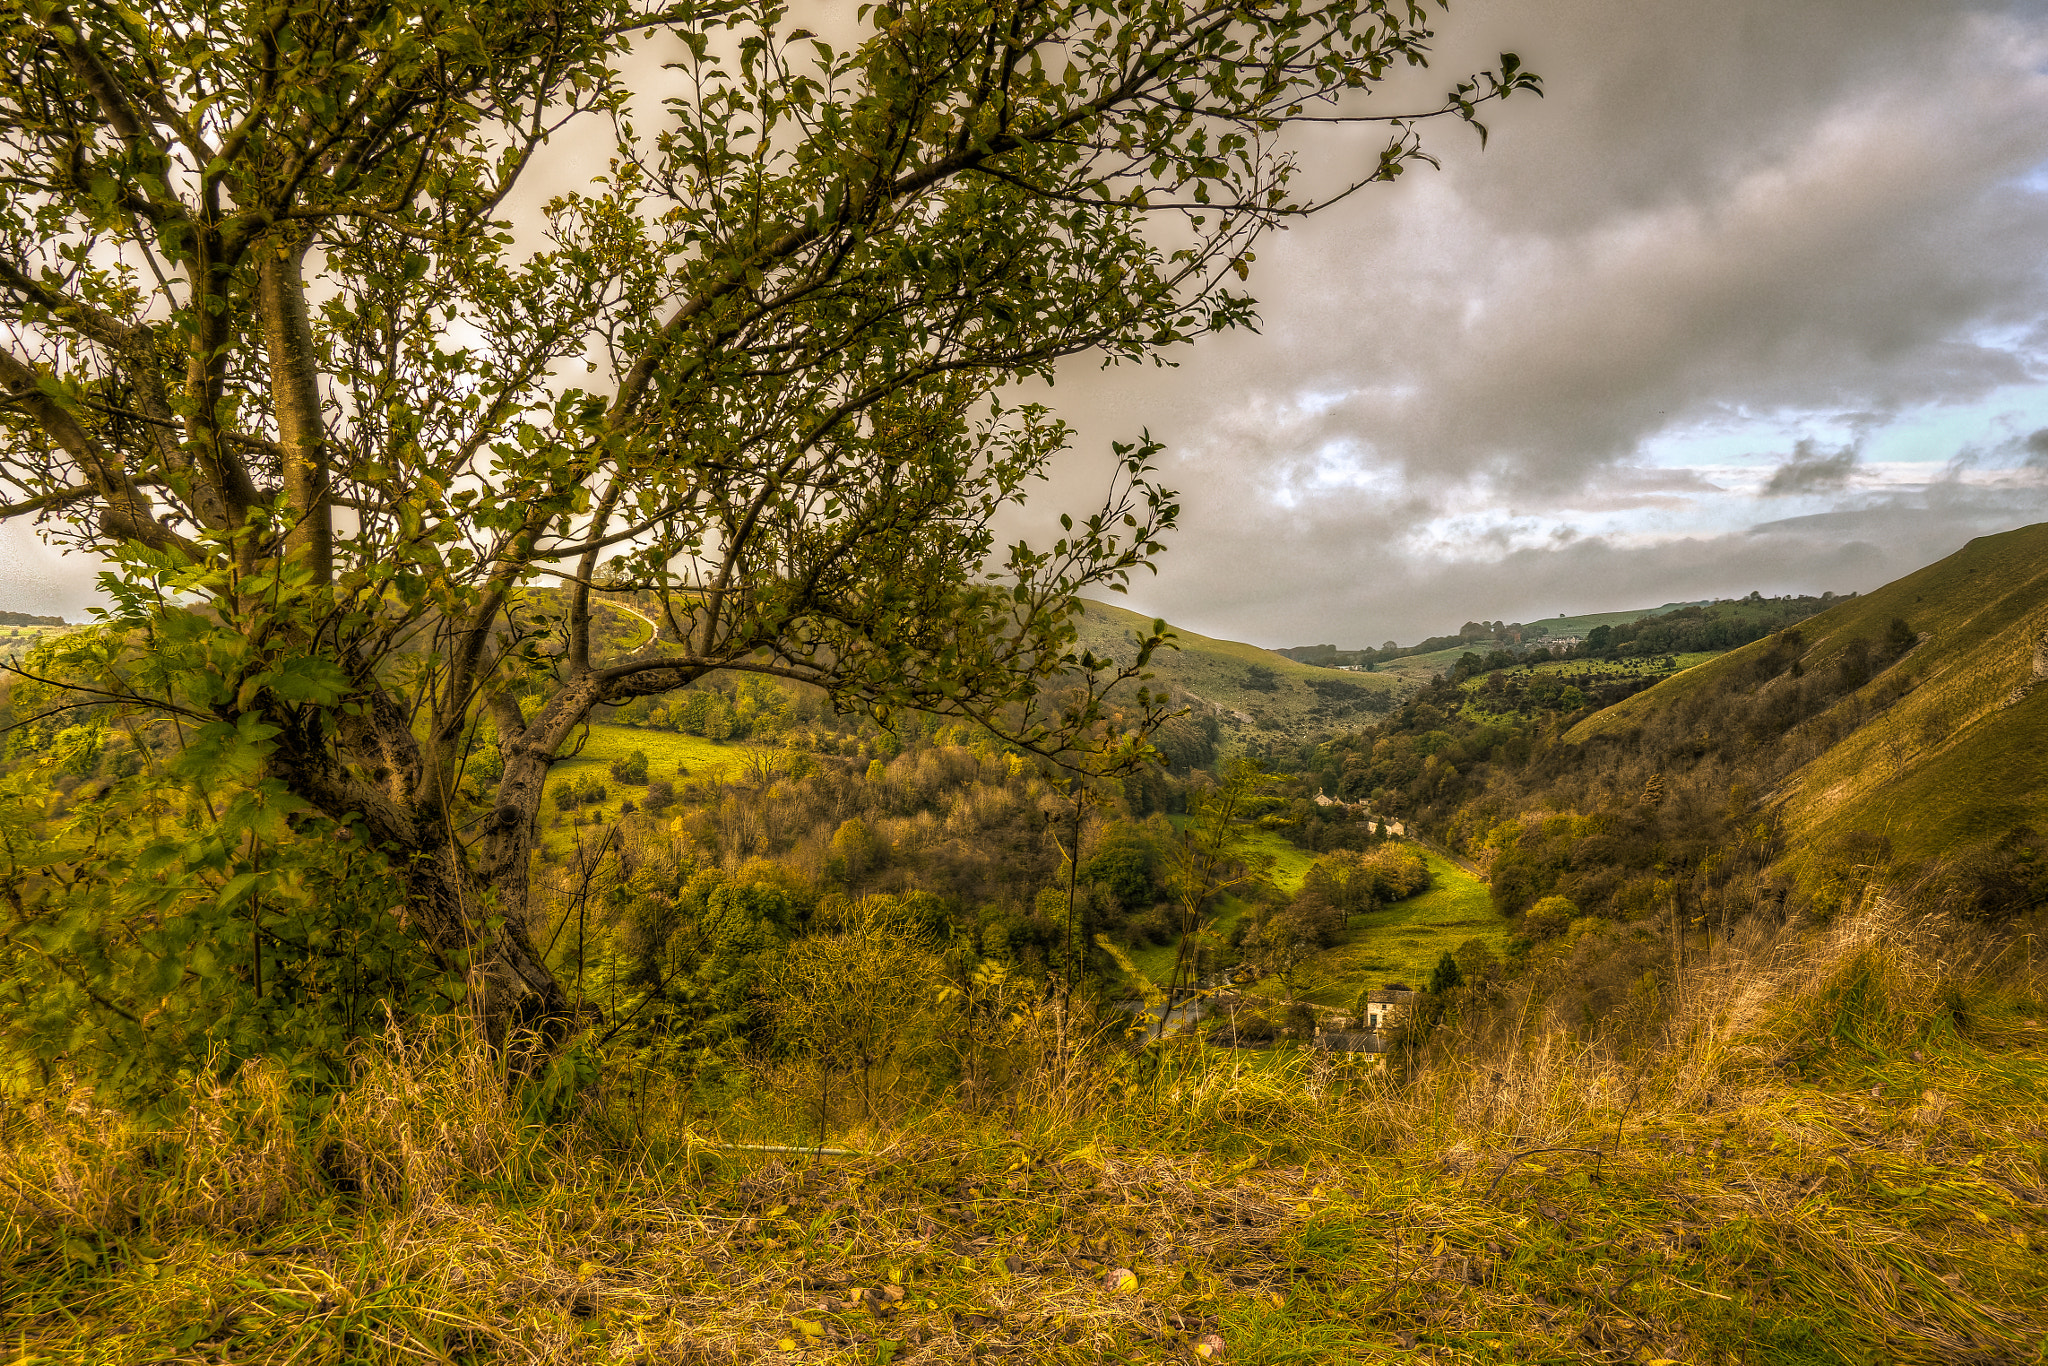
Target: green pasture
[
  {"x": 1625, "y": 668},
  {"x": 16, "y": 641},
  {"x": 671, "y": 757},
  {"x": 1290, "y": 866},
  {"x": 1402, "y": 942}
]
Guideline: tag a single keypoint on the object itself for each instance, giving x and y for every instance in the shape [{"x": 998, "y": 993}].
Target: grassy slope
[
  {"x": 1402, "y": 942},
  {"x": 675, "y": 758},
  {"x": 1398, "y": 944},
  {"x": 16, "y": 641},
  {"x": 1948, "y": 763},
  {"x": 1835, "y": 1177},
  {"x": 1215, "y": 672},
  {"x": 1290, "y": 866}
]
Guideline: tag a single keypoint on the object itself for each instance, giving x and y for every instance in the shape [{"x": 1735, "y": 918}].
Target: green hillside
[
  {"x": 1250, "y": 690},
  {"x": 18, "y": 640},
  {"x": 1938, "y": 749},
  {"x": 1402, "y": 942}
]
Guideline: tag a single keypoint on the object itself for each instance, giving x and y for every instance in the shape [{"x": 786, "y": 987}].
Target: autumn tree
[{"x": 365, "y": 450}]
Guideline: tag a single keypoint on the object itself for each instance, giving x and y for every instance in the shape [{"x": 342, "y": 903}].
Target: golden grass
[{"x": 1831, "y": 1152}]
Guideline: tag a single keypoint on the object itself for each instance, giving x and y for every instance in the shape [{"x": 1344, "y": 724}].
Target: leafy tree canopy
[{"x": 275, "y": 350}]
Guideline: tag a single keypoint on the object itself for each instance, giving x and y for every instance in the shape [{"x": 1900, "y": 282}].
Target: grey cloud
[
  {"x": 1810, "y": 471},
  {"x": 1810, "y": 215},
  {"x": 1364, "y": 587}
]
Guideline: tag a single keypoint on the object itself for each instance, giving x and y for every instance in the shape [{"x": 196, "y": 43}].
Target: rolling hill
[
  {"x": 1944, "y": 746},
  {"x": 1255, "y": 693}
]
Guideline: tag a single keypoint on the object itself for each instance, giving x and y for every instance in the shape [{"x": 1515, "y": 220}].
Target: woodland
[{"x": 573, "y": 839}]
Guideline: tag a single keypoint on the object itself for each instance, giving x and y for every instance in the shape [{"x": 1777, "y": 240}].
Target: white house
[{"x": 1385, "y": 1008}]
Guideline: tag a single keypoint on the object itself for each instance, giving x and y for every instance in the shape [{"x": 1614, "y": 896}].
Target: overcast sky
[{"x": 1753, "y": 299}]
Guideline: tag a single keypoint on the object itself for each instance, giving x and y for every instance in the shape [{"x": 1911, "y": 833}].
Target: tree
[
  {"x": 1210, "y": 857},
  {"x": 363, "y": 452},
  {"x": 1446, "y": 976},
  {"x": 1284, "y": 942}
]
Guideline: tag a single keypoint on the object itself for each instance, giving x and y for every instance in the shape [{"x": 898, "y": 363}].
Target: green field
[
  {"x": 1290, "y": 866},
  {"x": 1398, "y": 944},
  {"x": 1249, "y": 686},
  {"x": 672, "y": 757},
  {"x": 1414, "y": 668},
  {"x": 16, "y": 641},
  {"x": 1600, "y": 667},
  {"x": 1403, "y": 942}
]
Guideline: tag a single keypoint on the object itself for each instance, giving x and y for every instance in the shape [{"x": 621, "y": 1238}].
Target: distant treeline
[
  {"x": 1717, "y": 626},
  {"x": 28, "y": 619},
  {"x": 1721, "y": 625}
]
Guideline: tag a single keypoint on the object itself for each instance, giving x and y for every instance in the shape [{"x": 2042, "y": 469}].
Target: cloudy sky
[{"x": 1753, "y": 299}]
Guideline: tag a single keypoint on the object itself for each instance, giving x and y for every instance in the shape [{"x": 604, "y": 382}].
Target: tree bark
[
  {"x": 295, "y": 399},
  {"x": 471, "y": 912}
]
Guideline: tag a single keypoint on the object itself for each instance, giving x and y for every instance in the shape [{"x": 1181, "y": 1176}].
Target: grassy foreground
[{"x": 1833, "y": 1153}]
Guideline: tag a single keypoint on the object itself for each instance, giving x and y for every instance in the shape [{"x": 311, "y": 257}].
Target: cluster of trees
[
  {"x": 740, "y": 708},
  {"x": 588, "y": 790},
  {"x": 1330, "y": 657},
  {"x": 1515, "y": 685},
  {"x": 1279, "y": 935},
  {"x": 1714, "y": 626}
]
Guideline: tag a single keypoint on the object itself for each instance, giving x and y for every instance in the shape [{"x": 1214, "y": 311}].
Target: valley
[{"x": 1719, "y": 964}]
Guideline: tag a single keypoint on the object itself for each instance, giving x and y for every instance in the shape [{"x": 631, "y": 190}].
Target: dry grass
[{"x": 1832, "y": 1152}]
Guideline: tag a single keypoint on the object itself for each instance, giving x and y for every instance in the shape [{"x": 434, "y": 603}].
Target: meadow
[
  {"x": 1403, "y": 941},
  {"x": 1833, "y": 1153},
  {"x": 1290, "y": 864},
  {"x": 16, "y": 641},
  {"x": 1398, "y": 943},
  {"x": 671, "y": 757}
]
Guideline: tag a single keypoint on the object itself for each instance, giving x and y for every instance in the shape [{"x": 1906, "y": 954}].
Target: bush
[
  {"x": 1153, "y": 927},
  {"x": 631, "y": 770},
  {"x": 661, "y": 795},
  {"x": 1550, "y": 917}
]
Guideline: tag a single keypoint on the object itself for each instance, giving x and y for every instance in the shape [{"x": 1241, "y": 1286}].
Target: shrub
[
  {"x": 1550, "y": 917},
  {"x": 631, "y": 770}
]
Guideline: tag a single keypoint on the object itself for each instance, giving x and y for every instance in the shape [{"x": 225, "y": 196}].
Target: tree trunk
[
  {"x": 469, "y": 913},
  {"x": 295, "y": 398}
]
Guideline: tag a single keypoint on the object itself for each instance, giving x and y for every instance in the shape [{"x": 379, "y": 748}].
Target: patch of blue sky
[{"x": 1988, "y": 430}]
